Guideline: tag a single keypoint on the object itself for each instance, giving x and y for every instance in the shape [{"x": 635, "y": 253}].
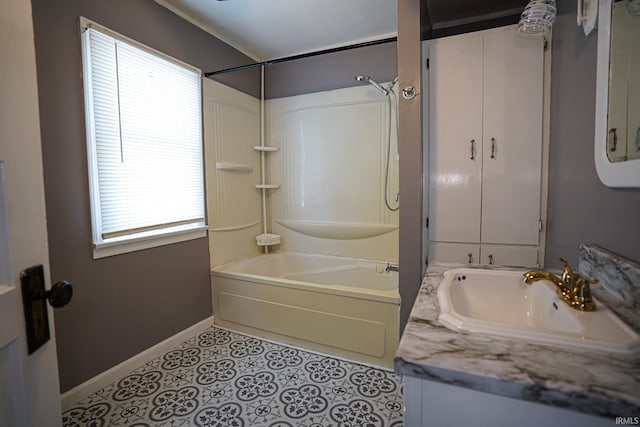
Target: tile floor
[{"x": 221, "y": 378}]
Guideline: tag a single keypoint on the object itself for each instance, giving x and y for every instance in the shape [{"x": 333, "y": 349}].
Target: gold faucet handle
[
  {"x": 568, "y": 276},
  {"x": 584, "y": 282},
  {"x": 582, "y": 294}
]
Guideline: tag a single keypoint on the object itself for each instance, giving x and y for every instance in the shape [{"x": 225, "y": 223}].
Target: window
[{"x": 144, "y": 143}]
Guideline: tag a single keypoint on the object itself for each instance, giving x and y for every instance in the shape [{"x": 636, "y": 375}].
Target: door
[
  {"x": 512, "y": 158},
  {"x": 455, "y": 139},
  {"x": 29, "y": 385},
  {"x": 12, "y": 398}
]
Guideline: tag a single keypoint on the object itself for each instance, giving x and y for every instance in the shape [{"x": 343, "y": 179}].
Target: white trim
[
  {"x": 87, "y": 23},
  {"x": 92, "y": 157},
  {"x": 546, "y": 138},
  {"x": 618, "y": 174},
  {"x": 138, "y": 241},
  {"x": 94, "y": 384},
  {"x": 150, "y": 239}
]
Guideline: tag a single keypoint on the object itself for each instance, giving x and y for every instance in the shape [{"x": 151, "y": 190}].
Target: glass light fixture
[
  {"x": 587, "y": 15},
  {"x": 633, "y": 7},
  {"x": 537, "y": 18}
]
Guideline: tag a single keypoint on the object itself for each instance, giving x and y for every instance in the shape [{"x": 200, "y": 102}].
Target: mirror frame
[{"x": 618, "y": 174}]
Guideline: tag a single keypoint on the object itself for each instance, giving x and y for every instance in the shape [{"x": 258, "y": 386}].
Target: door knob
[
  {"x": 58, "y": 296},
  {"x": 35, "y": 307}
]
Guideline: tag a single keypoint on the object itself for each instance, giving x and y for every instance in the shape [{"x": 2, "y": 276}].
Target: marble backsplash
[{"x": 617, "y": 274}]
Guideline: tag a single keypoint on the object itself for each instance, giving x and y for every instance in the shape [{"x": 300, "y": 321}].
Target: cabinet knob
[
  {"x": 473, "y": 149},
  {"x": 490, "y": 259},
  {"x": 470, "y": 258},
  {"x": 493, "y": 148}
]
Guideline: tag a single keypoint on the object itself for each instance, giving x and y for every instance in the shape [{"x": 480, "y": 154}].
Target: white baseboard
[{"x": 94, "y": 384}]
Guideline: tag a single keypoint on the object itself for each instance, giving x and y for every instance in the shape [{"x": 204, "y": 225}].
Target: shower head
[
  {"x": 378, "y": 86},
  {"x": 367, "y": 79}
]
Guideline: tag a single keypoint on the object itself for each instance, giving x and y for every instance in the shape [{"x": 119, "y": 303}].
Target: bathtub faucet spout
[{"x": 392, "y": 266}]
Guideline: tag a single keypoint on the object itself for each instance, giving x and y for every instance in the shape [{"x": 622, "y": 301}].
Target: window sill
[{"x": 152, "y": 239}]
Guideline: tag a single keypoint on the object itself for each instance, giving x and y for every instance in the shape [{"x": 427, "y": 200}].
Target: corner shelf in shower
[
  {"x": 265, "y": 149},
  {"x": 267, "y": 186},
  {"x": 268, "y": 239}
]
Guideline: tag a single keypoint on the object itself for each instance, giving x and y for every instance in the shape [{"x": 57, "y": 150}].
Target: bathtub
[{"x": 345, "y": 307}]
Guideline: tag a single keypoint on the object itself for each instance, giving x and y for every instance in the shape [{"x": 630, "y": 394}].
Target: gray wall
[
  {"x": 581, "y": 209},
  {"x": 410, "y": 147},
  {"x": 126, "y": 303},
  {"x": 331, "y": 71}
]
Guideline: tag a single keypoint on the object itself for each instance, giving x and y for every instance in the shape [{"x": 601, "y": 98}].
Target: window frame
[{"x": 141, "y": 240}]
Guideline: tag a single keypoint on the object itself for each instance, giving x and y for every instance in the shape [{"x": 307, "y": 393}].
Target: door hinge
[{"x": 540, "y": 225}]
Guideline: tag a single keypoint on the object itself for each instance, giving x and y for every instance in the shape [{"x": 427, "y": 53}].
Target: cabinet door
[
  {"x": 512, "y": 158},
  {"x": 512, "y": 256},
  {"x": 455, "y": 120},
  {"x": 454, "y": 252}
]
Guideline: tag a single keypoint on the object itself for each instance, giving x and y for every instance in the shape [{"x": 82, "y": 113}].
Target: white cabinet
[
  {"x": 485, "y": 147},
  {"x": 463, "y": 253},
  {"x": 475, "y": 253},
  {"x": 430, "y": 403}
]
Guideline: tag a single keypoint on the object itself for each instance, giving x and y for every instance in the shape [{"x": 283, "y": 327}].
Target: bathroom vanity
[{"x": 454, "y": 378}]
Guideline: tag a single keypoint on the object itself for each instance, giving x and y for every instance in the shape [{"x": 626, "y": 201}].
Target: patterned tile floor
[{"x": 221, "y": 378}]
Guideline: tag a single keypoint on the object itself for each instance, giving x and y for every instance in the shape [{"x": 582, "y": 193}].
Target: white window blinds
[{"x": 145, "y": 138}]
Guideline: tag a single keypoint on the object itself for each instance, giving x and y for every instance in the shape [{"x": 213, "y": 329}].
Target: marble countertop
[{"x": 599, "y": 384}]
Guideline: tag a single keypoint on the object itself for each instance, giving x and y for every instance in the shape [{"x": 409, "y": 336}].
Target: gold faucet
[{"x": 572, "y": 287}]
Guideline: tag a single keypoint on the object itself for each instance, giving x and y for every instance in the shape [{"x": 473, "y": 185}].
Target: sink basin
[{"x": 497, "y": 302}]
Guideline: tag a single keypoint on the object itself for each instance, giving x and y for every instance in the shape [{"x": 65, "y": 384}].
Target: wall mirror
[{"x": 617, "y": 131}]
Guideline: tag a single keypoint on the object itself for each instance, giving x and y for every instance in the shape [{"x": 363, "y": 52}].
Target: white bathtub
[{"x": 341, "y": 306}]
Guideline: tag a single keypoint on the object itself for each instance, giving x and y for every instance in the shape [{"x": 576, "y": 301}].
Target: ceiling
[{"x": 271, "y": 29}]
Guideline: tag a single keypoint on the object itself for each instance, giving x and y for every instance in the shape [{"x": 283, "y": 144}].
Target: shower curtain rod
[{"x": 301, "y": 56}]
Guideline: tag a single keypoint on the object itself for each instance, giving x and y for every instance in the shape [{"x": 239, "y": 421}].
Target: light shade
[
  {"x": 537, "y": 18},
  {"x": 633, "y": 6}
]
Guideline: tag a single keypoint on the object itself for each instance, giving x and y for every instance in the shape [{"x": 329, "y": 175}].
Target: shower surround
[{"x": 326, "y": 201}]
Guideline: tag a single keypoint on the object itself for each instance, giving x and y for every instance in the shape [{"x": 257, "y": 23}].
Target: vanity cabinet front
[
  {"x": 487, "y": 254},
  {"x": 485, "y": 144}
]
